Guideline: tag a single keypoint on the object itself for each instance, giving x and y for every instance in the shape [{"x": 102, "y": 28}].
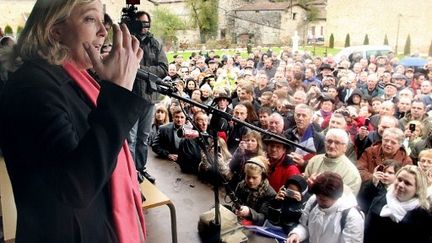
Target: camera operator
[{"x": 154, "y": 61}]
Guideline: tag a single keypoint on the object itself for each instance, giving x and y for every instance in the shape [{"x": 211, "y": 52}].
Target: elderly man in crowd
[
  {"x": 372, "y": 88},
  {"x": 337, "y": 120},
  {"x": 389, "y": 148},
  {"x": 305, "y": 134},
  {"x": 334, "y": 160}
]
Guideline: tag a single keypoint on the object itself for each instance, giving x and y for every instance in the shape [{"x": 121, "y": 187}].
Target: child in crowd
[
  {"x": 254, "y": 192},
  {"x": 287, "y": 207},
  {"x": 383, "y": 176}
]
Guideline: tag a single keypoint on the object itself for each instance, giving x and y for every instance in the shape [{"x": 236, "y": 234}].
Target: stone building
[
  {"x": 270, "y": 23},
  {"x": 396, "y": 19}
]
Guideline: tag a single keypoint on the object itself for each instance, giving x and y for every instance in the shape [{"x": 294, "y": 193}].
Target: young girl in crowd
[
  {"x": 161, "y": 117},
  {"x": 384, "y": 175},
  {"x": 254, "y": 192}
]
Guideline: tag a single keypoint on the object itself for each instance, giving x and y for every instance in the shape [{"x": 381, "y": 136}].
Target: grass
[{"x": 317, "y": 51}]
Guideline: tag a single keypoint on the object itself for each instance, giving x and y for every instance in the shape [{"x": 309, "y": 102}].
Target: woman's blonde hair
[
  {"x": 165, "y": 111},
  {"x": 36, "y": 41},
  {"x": 421, "y": 183}
]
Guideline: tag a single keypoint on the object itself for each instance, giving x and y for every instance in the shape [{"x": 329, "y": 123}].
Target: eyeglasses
[{"x": 337, "y": 143}]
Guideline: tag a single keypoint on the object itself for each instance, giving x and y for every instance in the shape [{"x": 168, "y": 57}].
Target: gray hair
[
  {"x": 341, "y": 134},
  {"x": 304, "y": 106},
  {"x": 398, "y": 133}
]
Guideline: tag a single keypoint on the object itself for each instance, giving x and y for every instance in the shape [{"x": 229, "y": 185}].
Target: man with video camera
[{"x": 154, "y": 61}]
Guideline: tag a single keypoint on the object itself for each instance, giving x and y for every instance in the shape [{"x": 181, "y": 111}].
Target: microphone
[
  {"x": 154, "y": 83},
  {"x": 189, "y": 133}
]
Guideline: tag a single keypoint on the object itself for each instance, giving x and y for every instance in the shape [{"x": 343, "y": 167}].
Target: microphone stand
[{"x": 218, "y": 121}]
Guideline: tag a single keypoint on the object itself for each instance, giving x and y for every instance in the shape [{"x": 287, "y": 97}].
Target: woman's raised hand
[{"x": 122, "y": 63}]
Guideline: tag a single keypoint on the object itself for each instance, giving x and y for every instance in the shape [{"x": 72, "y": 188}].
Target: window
[
  {"x": 294, "y": 15},
  {"x": 322, "y": 30}
]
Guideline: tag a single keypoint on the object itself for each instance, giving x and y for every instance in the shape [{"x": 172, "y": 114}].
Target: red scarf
[{"x": 125, "y": 194}]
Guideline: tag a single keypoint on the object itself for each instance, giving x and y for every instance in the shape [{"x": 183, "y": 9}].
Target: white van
[{"x": 364, "y": 51}]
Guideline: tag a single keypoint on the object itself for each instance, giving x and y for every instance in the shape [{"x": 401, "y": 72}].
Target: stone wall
[{"x": 378, "y": 18}]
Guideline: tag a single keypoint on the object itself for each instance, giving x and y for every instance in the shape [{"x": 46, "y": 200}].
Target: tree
[
  {"x": 19, "y": 30},
  {"x": 331, "y": 41},
  {"x": 347, "y": 40},
  {"x": 204, "y": 16},
  {"x": 385, "y": 40},
  {"x": 430, "y": 49},
  {"x": 407, "y": 48},
  {"x": 366, "y": 40},
  {"x": 165, "y": 24},
  {"x": 8, "y": 30}
]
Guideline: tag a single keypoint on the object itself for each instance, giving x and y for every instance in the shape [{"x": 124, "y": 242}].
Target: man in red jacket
[{"x": 281, "y": 165}]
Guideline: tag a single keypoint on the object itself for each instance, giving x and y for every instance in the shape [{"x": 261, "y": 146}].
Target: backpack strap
[
  {"x": 345, "y": 215},
  {"x": 313, "y": 205}
]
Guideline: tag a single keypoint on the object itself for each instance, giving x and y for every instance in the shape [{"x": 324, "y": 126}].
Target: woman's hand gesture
[{"x": 122, "y": 63}]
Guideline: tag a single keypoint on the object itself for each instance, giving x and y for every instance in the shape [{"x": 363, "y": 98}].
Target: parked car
[
  {"x": 316, "y": 41},
  {"x": 364, "y": 51}
]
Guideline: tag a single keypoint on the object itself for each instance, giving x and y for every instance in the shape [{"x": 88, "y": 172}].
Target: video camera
[{"x": 130, "y": 18}]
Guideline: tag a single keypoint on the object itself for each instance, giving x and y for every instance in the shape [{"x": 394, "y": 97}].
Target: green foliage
[
  {"x": 165, "y": 24},
  {"x": 386, "y": 40},
  {"x": 19, "y": 30},
  {"x": 8, "y": 30},
  {"x": 407, "y": 48},
  {"x": 366, "y": 40},
  {"x": 430, "y": 49},
  {"x": 204, "y": 16},
  {"x": 347, "y": 40},
  {"x": 331, "y": 41}
]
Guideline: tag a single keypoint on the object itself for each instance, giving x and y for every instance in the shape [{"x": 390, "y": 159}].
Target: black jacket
[
  {"x": 60, "y": 152},
  {"x": 414, "y": 227},
  {"x": 368, "y": 192},
  {"x": 189, "y": 155},
  {"x": 154, "y": 61},
  {"x": 164, "y": 143}
]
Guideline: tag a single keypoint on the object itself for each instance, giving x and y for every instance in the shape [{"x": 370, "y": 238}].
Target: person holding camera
[
  {"x": 383, "y": 176},
  {"x": 389, "y": 148},
  {"x": 285, "y": 210},
  {"x": 154, "y": 61}
]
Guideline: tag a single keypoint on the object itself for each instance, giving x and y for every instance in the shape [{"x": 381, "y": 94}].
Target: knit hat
[{"x": 299, "y": 181}]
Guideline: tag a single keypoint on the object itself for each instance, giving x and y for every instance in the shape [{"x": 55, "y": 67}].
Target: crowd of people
[
  {"x": 357, "y": 165},
  {"x": 366, "y": 121}
]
